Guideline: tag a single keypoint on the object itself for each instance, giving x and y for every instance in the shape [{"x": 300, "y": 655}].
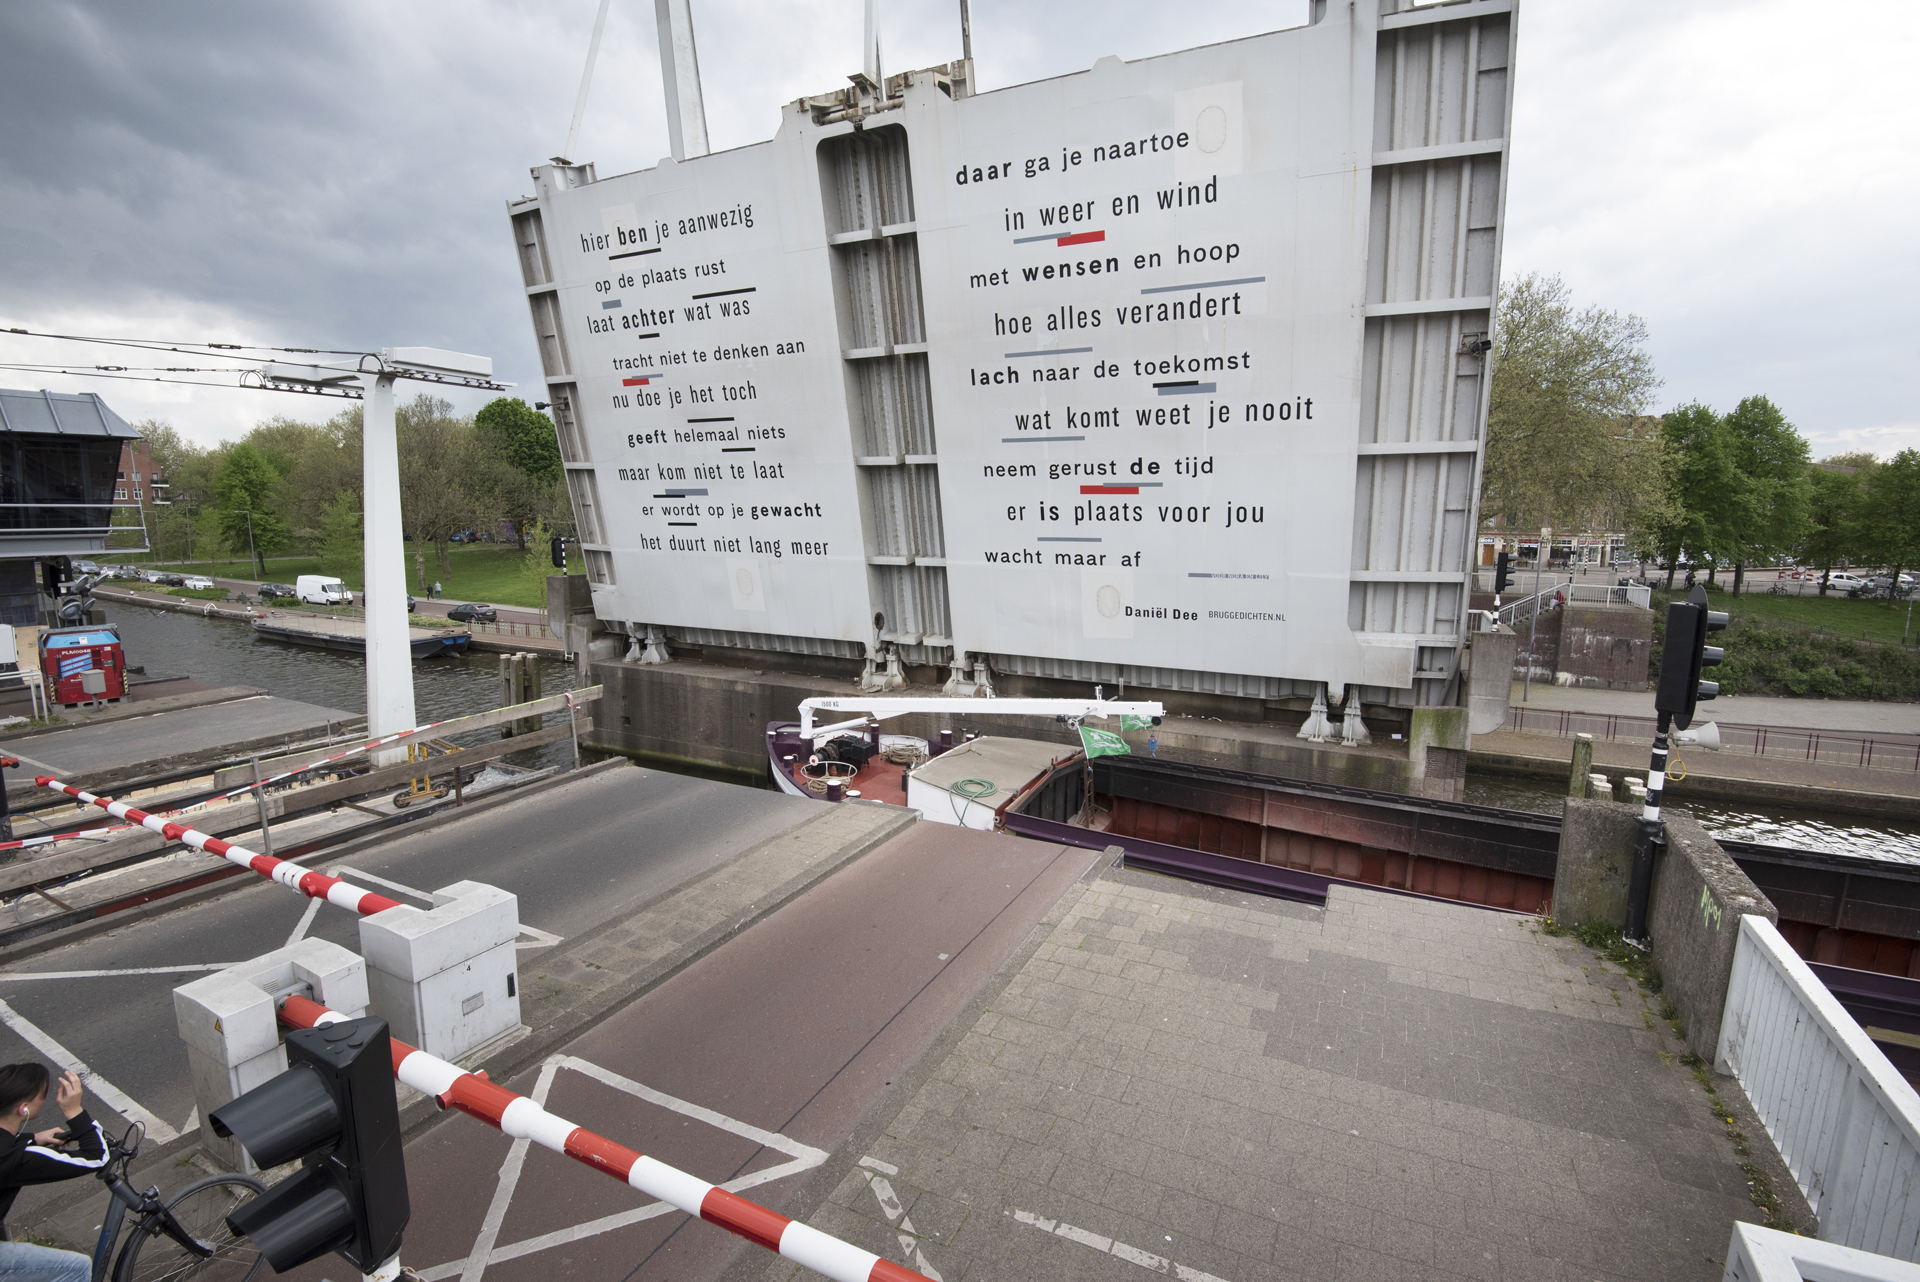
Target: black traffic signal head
[
  {"x": 335, "y": 1110},
  {"x": 559, "y": 552},
  {"x": 1502, "y": 576},
  {"x": 1685, "y": 654}
]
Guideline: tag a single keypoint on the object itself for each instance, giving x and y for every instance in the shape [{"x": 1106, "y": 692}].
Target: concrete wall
[
  {"x": 1699, "y": 896},
  {"x": 1600, "y": 646},
  {"x": 712, "y": 719},
  {"x": 1490, "y": 657},
  {"x": 1604, "y": 646},
  {"x": 1595, "y": 865}
]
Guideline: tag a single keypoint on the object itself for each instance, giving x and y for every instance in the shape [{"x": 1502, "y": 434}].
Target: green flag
[
  {"x": 1102, "y": 743},
  {"x": 1130, "y": 722}
]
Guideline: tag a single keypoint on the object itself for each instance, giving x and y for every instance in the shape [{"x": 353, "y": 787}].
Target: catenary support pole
[
  {"x": 389, "y": 657},
  {"x": 680, "y": 77},
  {"x": 520, "y": 1117},
  {"x": 1641, "y": 888}
]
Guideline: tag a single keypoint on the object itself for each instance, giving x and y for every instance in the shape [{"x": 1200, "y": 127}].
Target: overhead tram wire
[
  {"x": 184, "y": 346},
  {"x": 250, "y": 379}
]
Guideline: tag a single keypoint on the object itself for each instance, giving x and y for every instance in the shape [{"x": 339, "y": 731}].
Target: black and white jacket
[{"x": 23, "y": 1162}]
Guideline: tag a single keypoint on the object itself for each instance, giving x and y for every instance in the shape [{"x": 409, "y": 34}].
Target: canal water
[
  {"x": 226, "y": 652},
  {"x": 1804, "y": 829}
]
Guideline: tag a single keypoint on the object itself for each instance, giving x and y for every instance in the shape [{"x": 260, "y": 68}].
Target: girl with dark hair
[{"x": 42, "y": 1158}]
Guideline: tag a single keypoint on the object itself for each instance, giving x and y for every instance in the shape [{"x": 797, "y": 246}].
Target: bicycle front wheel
[{"x": 201, "y": 1208}]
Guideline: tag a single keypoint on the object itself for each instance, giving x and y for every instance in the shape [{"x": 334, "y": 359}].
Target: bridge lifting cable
[
  {"x": 473, "y": 1094},
  {"x": 315, "y": 885}
]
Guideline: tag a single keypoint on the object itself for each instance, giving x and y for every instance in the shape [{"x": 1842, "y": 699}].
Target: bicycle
[{"x": 183, "y": 1235}]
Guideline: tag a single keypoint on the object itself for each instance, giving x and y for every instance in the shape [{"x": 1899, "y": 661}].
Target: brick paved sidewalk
[{"x": 1207, "y": 1085}]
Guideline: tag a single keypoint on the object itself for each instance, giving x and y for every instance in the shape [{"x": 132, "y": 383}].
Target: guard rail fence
[
  {"x": 1844, "y": 1119},
  {"x": 1821, "y": 747}
]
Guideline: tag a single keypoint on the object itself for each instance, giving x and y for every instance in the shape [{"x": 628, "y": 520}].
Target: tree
[
  {"x": 342, "y": 541},
  {"x": 1770, "y": 514},
  {"x": 435, "y": 500},
  {"x": 1893, "y": 512},
  {"x": 248, "y": 478},
  {"x": 1836, "y": 512},
  {"x": 517, "y": 461},
  {"x": 1705, "y": 482},
  {"x": 1568, "y": 389},
  {"x": 523, "y": 435}
]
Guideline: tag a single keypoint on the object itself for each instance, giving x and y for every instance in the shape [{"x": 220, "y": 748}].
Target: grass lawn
[
  {"x": 481, "y": 572},
  {"x": 1836, "y": 613}
]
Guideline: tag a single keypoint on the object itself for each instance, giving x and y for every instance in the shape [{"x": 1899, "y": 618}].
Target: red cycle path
[{"x": 798, "y": 1027}]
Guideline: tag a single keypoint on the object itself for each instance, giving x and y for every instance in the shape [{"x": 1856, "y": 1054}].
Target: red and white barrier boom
[
  {"x": 316, "y": 885},
  {"x": 454, "y": 1087}
]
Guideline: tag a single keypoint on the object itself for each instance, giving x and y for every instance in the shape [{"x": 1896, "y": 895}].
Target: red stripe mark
[
  {"x": 601, "y": 1154},
  {"x": 754, "y": 1223},
  {"x": 1109, "y": 489},
  {"x": 885, "y": 1270},
  {"x": 633, "y": 382},
  {"x": 1084, "y": 238}
]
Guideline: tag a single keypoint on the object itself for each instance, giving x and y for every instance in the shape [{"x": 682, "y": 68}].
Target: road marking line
[
  {"x": 108, "y": 974},
  {"x": 890, "y": 1203},
  {"x": 306, "y": 921},
  {"x": 1120, "y": 1250},
  {"x": 541, "y": 938},
  {"x": 115, "y": 1098},
  {"x": 804, "y": 1157},
  {"x": 481, "y": 1254}
]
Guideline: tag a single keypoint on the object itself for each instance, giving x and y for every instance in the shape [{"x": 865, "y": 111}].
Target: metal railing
[
  {"x": 515, "y": 628},
  {"x": 1842, "y": 1116},
  {"x": 1767, "y": 1255},
  {"x": 1819, "y": 747}
]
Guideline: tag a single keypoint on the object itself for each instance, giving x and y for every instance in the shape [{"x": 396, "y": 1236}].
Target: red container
[{"x": 65, "y": 653}]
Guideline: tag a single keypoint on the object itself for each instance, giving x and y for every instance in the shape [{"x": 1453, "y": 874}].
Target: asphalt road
[
  {"x": 576, "y": 853},
  {"x": 750, "y": 1068},
  {"x": 153, "y": 741}
]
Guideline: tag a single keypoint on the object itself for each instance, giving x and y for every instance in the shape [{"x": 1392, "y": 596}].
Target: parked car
[
  {"x": 1884, "y": 585},
  {"x": 275, "y": 592},
  {"x": 410, "y": 603},
  {"x": 147, "y": 576},
  {"x": 199, "y": 581},
  {"x": 1841, "y": 581},
  {"x": 171, "y": 580},
  {"x": 470, "y": 613},
  {"x": 85, "y": 567}
]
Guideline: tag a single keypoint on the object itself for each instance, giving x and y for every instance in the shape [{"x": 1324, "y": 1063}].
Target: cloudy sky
[{"x": 334, "y": 175}]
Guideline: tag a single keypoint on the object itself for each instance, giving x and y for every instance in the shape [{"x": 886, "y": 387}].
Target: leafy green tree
[
  {"x": 522, "y": 435},
  {"x": 1705, "y": 483},
  {"x": 1569, "y": 387},
  {"x": 1836, "y": 513},
  {"x": 517, "y": 461},
  {"x": 1771, "y": 512},
  {"x": 1893, "y": 511},
  {"x": 248, "y": 478},
  {"x": 342, "y": 540}
]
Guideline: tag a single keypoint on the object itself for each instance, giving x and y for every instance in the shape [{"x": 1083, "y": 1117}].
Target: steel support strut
[
  {"x": 520, "y": 1117},
  {"x": 1641, "y": 888}
]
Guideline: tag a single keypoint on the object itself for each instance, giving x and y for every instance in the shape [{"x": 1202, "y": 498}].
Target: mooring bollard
[{"x": 232, "y": 1030}]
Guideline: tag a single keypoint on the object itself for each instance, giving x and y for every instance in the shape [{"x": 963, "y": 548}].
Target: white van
[{"x": 319, "y": 589}]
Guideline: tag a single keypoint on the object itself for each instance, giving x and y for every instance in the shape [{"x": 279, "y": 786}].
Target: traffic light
[
  {"x": 560, "y": 551},
  {"x": 1685, "y": 653},
  {"x": 1502, "y": 576},
  {"x": 335, "y": 1110}
]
